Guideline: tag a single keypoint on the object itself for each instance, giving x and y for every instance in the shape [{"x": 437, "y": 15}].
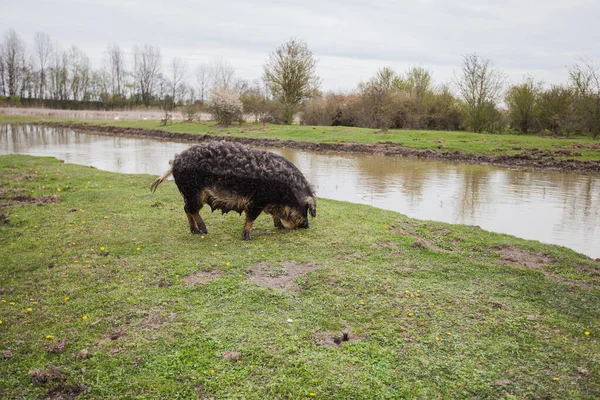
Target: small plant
[{"x": 167, "y": 119}]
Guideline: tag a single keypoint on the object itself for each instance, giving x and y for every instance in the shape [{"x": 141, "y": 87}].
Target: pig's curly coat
[{"x": 230, "y": 176}]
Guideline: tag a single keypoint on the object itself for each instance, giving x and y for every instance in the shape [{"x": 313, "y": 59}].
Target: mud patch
[
  {"x": 64, "y": 392},
  {"x": 328, "y": 339},
  {"x": 202, "y": 278},
  {"x": 43, "y": 376},
  {"x": 419, "y": 243},
  {"x": 58, "y": 347},
  {"x": 280, "y": 277},
  {"x": 156, "y": 319},
  {"x": 231, "y": 355},
  {"x": 520, "y": 258},
  {"x": 523, "y": 258},
  {"x": 112, "y": 336},
  {"x": 7, "y": 200}
]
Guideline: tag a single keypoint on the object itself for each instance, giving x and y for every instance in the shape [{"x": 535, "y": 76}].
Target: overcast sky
[{"x": 352, "y": 39}]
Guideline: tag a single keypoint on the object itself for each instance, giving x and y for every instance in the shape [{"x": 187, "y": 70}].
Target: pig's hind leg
[{"x": 192, "y": 210}]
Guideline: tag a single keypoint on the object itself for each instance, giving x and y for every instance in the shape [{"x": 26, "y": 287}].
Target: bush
[
  {"x": 225, "y": 106},
  {"x": 190, "y": 112}
]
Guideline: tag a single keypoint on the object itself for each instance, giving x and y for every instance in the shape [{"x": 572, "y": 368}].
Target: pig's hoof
[{"x": 245, "y": 235}]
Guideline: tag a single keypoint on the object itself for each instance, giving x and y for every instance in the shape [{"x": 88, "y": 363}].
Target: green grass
[
  {"x": 582, "y": 148},
  {"x": 109, "y": 243}
]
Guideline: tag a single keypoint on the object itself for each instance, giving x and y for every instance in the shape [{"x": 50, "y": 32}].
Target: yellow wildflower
[
  {"x": 84, "y": 317},
  {"x": 0, "y": 322},
  {"x": 312, "y": 394},
  {"x": 105, "y": 217},
  {"x": 586, "y": 333},
  {"x": 48, "y": 336},
  {"x": 12, "y": 303},
  {"x": 437, "y": 339},
  {"x": 228, "y": 263},
  {"x": 67, "y": 298},
  {"x": 555, "y": 378},
  {"x": 101, "y": 248},
  {"x": 29, "y": 309},
  {"x": 4, "y": 301},
  {"x": 212, "y": 371},
  {"x": 362, "y": 303},
  {"x": 138, "y": 249},
  {"x": 58, "y": 189},
  {"x": 410, "y": 314}
]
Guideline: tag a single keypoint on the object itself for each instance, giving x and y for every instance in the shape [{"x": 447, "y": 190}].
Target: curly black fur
[{"x": 230, "y": 176}]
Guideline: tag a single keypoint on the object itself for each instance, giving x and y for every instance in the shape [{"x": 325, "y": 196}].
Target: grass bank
[{"x": 105, "y": 293}]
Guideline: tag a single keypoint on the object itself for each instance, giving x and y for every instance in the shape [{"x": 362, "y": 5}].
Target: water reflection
[{"x": 553, "y": 207}]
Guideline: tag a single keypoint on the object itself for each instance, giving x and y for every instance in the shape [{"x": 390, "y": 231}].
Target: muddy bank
[{"x": 528, "y": 158}]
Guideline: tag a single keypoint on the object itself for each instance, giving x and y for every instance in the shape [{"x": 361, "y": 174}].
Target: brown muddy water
[{"x": 549, "y": 206}]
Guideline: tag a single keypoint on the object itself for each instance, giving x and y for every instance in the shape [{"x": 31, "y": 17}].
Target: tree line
[
  {"x": 484, "y": 102},
  {"x": 479, "y": 98}
]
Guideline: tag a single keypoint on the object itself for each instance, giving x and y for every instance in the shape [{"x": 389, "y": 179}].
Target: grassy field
[
  {"x": 580, "y": 148},
  {"x": 106, "y": 294}
]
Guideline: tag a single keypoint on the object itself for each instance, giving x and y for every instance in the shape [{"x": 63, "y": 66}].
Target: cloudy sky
[{"x": 352, "y": 39}]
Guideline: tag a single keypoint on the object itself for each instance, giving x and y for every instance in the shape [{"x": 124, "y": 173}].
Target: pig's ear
[{"x": 311, "y": 206}]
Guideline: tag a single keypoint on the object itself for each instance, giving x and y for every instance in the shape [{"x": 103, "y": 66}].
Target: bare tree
[
  {"x": 59, "y": 75},
  {"x": 79, "y": 74},
  {"x": 223, "y": 73},
  {"x": 43, "y": 52},
  {"x": 480, "y": 86},
  {"x": 203, "y": 77},
  {"x": 290, "y": 74},
  {"x": 12, "y": 49},
  {"x": 115, "y": 58},
  {"x": 178, "y": 72},
  {"x": 147, "y": 63}
]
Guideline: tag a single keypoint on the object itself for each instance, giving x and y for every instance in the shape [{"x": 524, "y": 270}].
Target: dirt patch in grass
[
  {"x": 231, "y": 355},
  {"x": 280, "y": 277},
  {"x": 113, "y": 335},
  {"x": 58, "y": 347},
  {"x": 520, "y": 258},
  {"x": 202, "y": 278},
  {"x": 523, "y": 258},
  {"x": 329, "y": 339},
  {"x": 19, "y": 198},
  {"x": 156, "y": 319},
  {"x": 419, "y": 243},
  {"x": 64, "y": 392},
  {"x": 43, "y": 376}
]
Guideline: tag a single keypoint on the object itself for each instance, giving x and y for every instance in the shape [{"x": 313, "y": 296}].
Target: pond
[{"x": 549, "y": 206}]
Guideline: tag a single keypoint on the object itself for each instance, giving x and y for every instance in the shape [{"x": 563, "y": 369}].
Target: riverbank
[
  {"x": 106, "y": 293},
  {"x": 515, "y": 151}
]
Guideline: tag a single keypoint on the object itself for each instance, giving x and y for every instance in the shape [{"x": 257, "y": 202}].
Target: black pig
[{"x": 229, "y": 176}]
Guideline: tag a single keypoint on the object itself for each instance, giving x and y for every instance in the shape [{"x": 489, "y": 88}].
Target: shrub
[{"x": 225, "y": 106}]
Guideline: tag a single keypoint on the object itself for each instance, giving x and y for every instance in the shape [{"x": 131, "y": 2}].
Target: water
[{"x": 549, "y": 206}]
